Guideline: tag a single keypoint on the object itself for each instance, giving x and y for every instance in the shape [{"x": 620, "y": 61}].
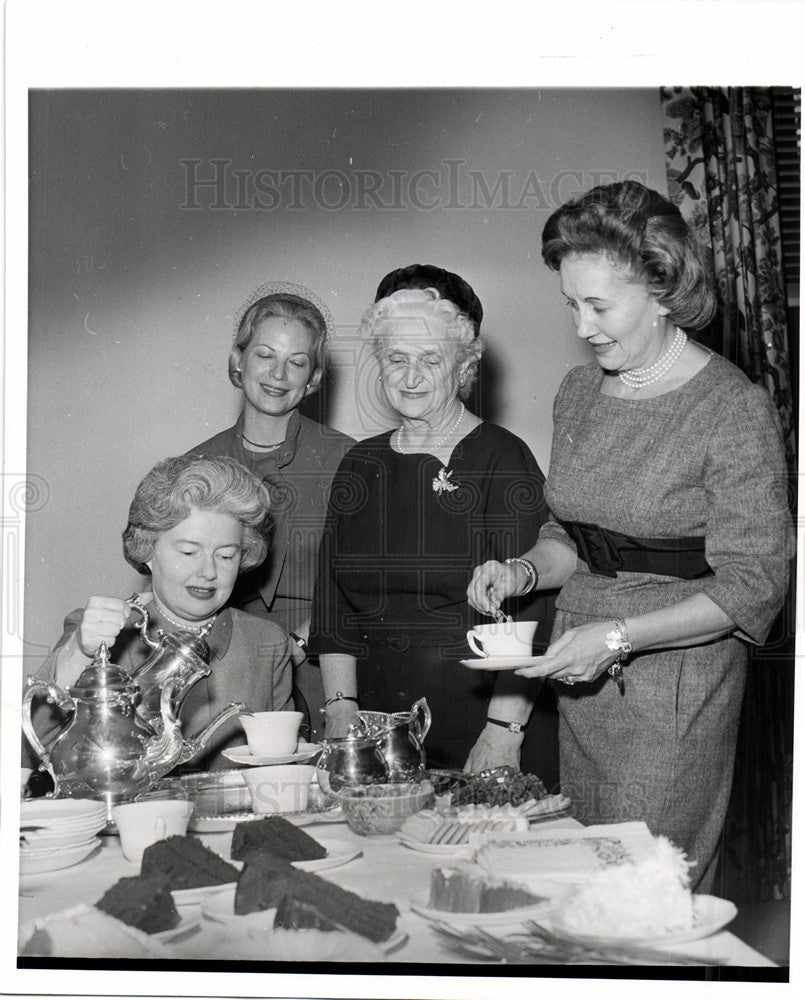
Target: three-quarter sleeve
[
  {"x": 47, "y": 669},
  {"x": 749, "y": 537}
]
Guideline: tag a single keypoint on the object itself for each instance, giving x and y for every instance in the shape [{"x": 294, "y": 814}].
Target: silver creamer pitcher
[{"x": 401, "y": 737}]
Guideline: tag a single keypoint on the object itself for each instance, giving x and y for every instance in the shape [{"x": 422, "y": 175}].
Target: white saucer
[
  {"x": 499, "y": 662},
  {"x": 241, "y": 755}
]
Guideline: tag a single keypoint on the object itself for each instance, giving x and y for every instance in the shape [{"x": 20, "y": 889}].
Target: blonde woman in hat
[{"x": 277, "y": 360}]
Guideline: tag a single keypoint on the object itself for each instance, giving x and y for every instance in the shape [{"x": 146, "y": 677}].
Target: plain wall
[{"x": 135, "y": 278}]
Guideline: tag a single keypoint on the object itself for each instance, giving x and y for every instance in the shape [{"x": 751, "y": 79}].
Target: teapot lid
[{"x": 102, "y": 675}]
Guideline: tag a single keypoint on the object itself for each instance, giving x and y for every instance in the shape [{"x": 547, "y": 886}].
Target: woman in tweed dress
[{"x": 669, "y": 534}]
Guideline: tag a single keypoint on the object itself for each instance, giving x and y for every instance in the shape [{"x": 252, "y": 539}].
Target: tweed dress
[{"x": 705, "y": 459}]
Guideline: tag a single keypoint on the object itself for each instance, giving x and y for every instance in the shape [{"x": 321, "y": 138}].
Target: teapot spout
[{"x": 195, "y": 744}]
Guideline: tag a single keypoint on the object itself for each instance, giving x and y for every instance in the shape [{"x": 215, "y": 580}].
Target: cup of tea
[
  {"x": 141, "y": 824},
  {"x": 507, "y": 638},
  {"x": 271, "y": 734},
  {"x": 279, "y": 788}
]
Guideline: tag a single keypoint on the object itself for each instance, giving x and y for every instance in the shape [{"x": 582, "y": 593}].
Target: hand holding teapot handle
[{"x": 103, "y": 619}]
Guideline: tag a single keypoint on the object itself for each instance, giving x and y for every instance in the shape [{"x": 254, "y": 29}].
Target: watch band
[{"x": 513, "y": 727}]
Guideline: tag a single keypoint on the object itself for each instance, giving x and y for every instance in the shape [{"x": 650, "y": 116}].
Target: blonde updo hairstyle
[
  {"x": 441, "y": 319},
  {"x": 177, "y": 486}
]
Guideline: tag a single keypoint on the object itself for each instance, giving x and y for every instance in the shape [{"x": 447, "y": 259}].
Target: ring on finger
[{"x": 568, "y": 680}]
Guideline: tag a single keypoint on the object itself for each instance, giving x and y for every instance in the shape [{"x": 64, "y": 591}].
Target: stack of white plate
[{"x": 58, "y": 833}]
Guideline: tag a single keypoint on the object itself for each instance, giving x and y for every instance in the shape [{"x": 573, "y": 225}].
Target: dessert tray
[
  {"x": 241, "y": 755},
  {"x": 710, "y": 914}
]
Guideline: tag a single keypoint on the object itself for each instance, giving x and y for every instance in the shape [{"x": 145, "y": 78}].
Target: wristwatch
[{"x": 513, "y": 727}]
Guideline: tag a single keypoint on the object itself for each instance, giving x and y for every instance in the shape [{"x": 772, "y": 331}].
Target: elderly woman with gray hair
[
  {"x": 194, "y": 525},
  {"x": 409, "y": 511}
]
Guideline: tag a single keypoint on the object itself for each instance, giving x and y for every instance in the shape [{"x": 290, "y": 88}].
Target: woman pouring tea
[{"x": 194, "y": 524}]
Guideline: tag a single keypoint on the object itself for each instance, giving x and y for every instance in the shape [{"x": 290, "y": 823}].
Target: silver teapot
[
  {"x": 107, "y": 750},
  {"x": 182, "y": 658},
  {"x": 401, "y": 737}
]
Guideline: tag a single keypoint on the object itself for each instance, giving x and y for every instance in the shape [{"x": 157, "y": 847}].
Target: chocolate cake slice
[
  {"x": 313, "y": 902},
  {"x": 185, "y": 863},
  {"x": 145, "y": 903},
  {"x": 263, "y": 882},
  {"x": 277, "y": 836}
]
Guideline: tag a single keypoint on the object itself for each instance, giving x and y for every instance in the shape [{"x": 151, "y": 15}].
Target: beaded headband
[{"x": 286, "y": 291}]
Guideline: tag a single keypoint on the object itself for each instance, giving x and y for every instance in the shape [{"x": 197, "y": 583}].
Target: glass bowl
[{"x": 374, "y": 810}]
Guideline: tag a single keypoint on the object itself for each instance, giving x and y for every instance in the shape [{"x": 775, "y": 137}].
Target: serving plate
[
  {"x": 500, "y": 662},
  {"x": 226, "y": 822},
  {"x": 241, "y": 755},
  {"x": 253, "y": 937},
  {"x": 453, "y": 850},
  {"x": 218, "y": 899},
  {"x": 710, "y": 914}
]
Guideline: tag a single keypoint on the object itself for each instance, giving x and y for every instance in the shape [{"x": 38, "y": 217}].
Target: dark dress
[
  {"x": 404, "y": 535},
  {"x": 704, "y": 460}
]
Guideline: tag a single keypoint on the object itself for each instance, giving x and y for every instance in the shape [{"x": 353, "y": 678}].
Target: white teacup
[
  {"x": 502, "y": 638},
  {"x": 279, "y": 788},
  {"x": 271, "y": 734},
  {"x": 141, "y": 824}
]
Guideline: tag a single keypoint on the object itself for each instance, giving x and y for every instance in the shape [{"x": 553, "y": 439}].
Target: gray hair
[
  {"x": 176, "y": 486},
  {"x": 427, "y": 305}
]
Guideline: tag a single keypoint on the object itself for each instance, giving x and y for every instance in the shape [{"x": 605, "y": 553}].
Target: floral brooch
[{"x": 442, "y": 483}]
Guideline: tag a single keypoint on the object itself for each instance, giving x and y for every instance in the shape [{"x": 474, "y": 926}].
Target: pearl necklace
[
  {"x": 638, "y": 378},
  {"x": 186, "y": 626},
  {"x": 439, "y": 443}
]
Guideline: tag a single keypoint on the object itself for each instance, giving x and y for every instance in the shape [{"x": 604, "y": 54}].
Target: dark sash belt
[{"x": 608, "y": 552}]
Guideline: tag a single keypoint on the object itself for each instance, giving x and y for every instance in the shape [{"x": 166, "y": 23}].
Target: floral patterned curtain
[{"x": 721, "y": 174}]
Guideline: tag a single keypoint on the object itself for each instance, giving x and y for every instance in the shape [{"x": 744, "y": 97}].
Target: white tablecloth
[{"x": 386, "y": 871}]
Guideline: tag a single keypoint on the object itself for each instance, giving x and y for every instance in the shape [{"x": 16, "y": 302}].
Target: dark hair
[
  {"x": 284, "y": 306},
  {"x": 176, "y": 486},
  {"x": 637, "y": 228},
  {"x": 450, "y": 286}
]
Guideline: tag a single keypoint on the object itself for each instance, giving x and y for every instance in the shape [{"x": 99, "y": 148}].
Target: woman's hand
[
  {"x": 580, "y": 655},
  {"x": 491, "y": 583},
  {"x": 495, "y": 747},
  {"x": 338, "y": 716},
  {"x": 103, "y": 619}
]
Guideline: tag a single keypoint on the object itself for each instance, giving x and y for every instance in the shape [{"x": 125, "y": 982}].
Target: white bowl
[{"x": 279, "y": 788}]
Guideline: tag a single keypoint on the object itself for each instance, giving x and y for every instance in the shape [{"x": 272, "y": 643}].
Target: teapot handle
[
  {"x": 134, "y": 603},
  {"x": 420, "y": 729},
  {"x": 55, "y": 695}
]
